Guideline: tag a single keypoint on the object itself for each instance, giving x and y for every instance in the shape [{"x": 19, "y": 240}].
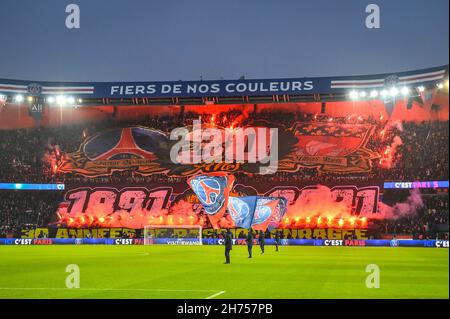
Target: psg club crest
[
  {"x": 213, "y": 191},
  {"x": 391, "y": 80},
  {"x": 131, "y": 148},
  {"x": 266, "y": 208},
  {"x": 241, "y": 210},
  {"x": 330, "y": 147},
  {"x": 263, "y": 211},
  {"x": 209, "y": 192},
  {"x": 34, "y": 88}
]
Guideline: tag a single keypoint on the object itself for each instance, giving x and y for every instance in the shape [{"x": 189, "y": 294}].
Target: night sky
[{"x": 138, "y": 40}]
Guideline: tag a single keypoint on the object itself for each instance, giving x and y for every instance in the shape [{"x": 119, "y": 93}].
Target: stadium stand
[
  {"x": 27, "y": 156},
  {"x": 407, "y": 141}
]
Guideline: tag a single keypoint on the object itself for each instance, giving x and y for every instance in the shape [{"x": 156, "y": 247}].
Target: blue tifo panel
[
  {"x": 32, "y": 187},
  {"x": 208, "y": 241}
]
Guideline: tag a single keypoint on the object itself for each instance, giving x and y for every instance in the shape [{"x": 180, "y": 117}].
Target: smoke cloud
[{"x": 410, "y": 207}]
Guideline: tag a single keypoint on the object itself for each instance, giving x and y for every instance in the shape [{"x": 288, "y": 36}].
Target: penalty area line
[{"x": 216, "y": 294}]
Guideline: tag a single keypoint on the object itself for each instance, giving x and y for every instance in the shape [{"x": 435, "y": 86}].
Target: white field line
[
  {"x": 109, "y": 289},
  {"x": 216, "y": 294}
]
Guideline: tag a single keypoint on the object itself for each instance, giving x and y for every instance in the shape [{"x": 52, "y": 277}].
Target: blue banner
[
  {"x": 212, "y": 191},
  {"x": 279, "y": 214},
  {"x": 224, "y": 88},
  {"x": 266, "y": 208},
  {"x": 241, "y": 210}
]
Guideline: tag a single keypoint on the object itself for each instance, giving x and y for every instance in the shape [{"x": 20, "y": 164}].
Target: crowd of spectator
[
  {"x": 26, "y": 209},
  {"x": 32, "y": 155},
  {"x": 427, "y": 222}
]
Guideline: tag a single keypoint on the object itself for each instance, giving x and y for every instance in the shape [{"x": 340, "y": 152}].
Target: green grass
[{"x": 198, "y": 272}]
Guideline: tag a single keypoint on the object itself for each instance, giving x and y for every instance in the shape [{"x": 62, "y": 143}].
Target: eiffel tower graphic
[
  {"x": 208, "y": 191},
  {"x": 126, "y": 145}
]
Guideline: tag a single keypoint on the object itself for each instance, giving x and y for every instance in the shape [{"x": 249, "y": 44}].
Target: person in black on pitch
[
  {"x": 262, "y": 241},
  {"x": 277, "y": 240},
  {"x": 228, "y": 245},
  {"x": 250, "y": 242}
]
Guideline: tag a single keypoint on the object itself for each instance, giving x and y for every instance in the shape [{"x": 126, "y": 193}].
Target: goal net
[{"x": 173, "y": 234}]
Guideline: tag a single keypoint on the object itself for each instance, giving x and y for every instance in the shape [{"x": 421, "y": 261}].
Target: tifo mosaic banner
[
  {"x": 137, "y": 206},
  {"x": 327, "y": 147}
]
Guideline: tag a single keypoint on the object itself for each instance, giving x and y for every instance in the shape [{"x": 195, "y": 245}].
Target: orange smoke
[{"x": 317, "y": 207}]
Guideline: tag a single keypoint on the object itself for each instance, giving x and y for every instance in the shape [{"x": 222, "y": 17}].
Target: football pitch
[{"x": 184, "y": 272}]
